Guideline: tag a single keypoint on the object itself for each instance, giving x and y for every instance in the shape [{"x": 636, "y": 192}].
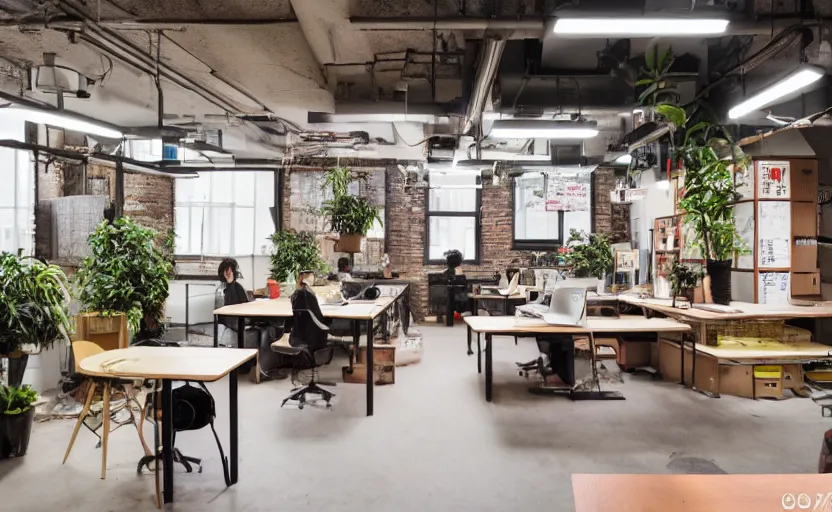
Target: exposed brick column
[{"x": 610, "y": 219}]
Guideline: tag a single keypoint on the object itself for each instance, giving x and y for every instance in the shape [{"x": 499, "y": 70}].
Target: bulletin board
[
  {"x": 773, "y": 288},
  {"x": 744, "y": 222},
  {"x": 773, "y": 179},
  {"x": 774, "y": 231},
  {"x": 567, "y": 192}
]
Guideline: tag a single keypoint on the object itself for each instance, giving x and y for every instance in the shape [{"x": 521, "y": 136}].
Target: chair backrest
[
  {"x": 308, "y": 330},
  {"x": 82, "y": 350}
]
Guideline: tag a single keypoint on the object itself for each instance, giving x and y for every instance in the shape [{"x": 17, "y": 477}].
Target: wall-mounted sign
[
  {"x": 773, "y": 180},
  {"x": 567, "y": 192}
]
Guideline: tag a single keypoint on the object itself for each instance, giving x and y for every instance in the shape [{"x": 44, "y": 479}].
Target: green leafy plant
[
  {"x": 658, "y": 88},
  {"x": 346, "y": 214},
  {"x": 293, "y": 252},
  {"x": 708, "y": 154},
  {"x": 683, "y": 278},
  {"x": 589, "y": 254},
  {"x": 126, "y": 273},
  {"x": 17, "y": 400},
  {"x": 34, "y": 303}
]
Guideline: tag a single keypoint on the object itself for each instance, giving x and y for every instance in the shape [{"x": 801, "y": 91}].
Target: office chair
[{"x": 306, "y": 358}]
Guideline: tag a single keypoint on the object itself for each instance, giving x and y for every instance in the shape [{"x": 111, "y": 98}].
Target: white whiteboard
[
  {"x": 773, "y": 288},
  {"x": 774, "y": 230},
  {"x": 773, "y": 180},
  {"x": 744, "y": 222}
]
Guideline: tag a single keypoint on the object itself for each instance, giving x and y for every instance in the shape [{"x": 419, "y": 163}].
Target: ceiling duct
[{"x": 490, "y": 57}]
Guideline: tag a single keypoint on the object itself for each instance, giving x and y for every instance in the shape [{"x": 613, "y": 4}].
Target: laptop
[{"x": 567, "y": 307}]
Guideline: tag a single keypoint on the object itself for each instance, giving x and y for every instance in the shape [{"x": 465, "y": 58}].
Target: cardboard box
[
  {"x": 804, "y": 220},
  {"x": 805, "y": 284},
  {"x": 804, "y": 258},
  {"x": 634, "y": 352},
  {"x": 384, "y": 374},
  {"x": 670, "y": 366},
  {"x": 381, "y": 354},
  {"x": 804, "y": 180},
  {"x": 108, "y": 332}
]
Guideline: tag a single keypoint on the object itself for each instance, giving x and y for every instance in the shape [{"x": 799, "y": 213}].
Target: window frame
[
  {"x": 533, "y": 244},
  {"x": 476, "y": 214}
]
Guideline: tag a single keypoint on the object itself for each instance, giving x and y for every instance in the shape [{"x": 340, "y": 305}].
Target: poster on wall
[
  {"x": 773, "y": 180},
  {"x": 773, "y": 288},
  {"x": 744, "y": 182},
  {"x": 568, "y": 193},
  {"x": 774, "y": 232},
  {"x": 626, "y": 261}
]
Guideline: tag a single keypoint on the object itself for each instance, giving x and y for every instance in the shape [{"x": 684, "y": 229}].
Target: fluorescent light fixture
[
  {"x": 647, "y": 27},
  {"x": 62, "y": 120},
  {"x": 803, "y": 77},
  {"x": 524, "y": 129}
]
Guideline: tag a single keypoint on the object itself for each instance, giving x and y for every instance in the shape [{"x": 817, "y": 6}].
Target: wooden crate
[
  {"x": 108, "y": 332},
  {"x": 381, "y": 354},
  {"x": 385, "y": 373}
]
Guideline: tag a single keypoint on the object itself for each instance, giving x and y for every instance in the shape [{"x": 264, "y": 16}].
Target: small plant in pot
[
  {"x": 683, "y": 281},
  {"x": 589, "y": 256},
  {"x": 293, "y": 252},
  {"x": 349, "y": 216},
  {"x": 128, "y": 274},
  {"x": 708, "y": 156},
  {"x": 34, "y": 310},
  {"x": 17, "y": 414}
]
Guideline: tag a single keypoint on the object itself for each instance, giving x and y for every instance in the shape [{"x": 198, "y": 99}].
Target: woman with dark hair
[
  {"x": 453, "y": 259},
  {"x": 233, "y": 291}
]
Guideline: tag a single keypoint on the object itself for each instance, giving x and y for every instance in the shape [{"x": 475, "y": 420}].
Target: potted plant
[
  {"x": 589, "y": 256},
  {"x": 293, "y": 252},
  {"x": 683, "y": 281},
  {"x": 34, "y": 310},
  {"x": 127, "y": 274},
  {"x": 16, "y": 417},
  {"x": 655, "y": 85},
  {"x": 349, "y": 216},
  {"x": 708, "y": 156}
]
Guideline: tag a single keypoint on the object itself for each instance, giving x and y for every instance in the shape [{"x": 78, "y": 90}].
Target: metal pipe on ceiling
[{"x": 491, "y": 54}]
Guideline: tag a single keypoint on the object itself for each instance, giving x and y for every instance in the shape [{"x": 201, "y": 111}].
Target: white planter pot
[{"x": 602, "y": 285}]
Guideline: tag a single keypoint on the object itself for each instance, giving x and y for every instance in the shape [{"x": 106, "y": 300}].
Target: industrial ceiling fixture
[
  {"x": 634, "y": 27},
  {"x": 61, "y": 120},
  {"x": 533, "y": 129},
  {"x": 802, "y": 77}
]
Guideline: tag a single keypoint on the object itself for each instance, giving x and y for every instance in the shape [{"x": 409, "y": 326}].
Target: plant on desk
[
  {"x": 34, "y": 310},
  {"x": 293, "y": 252},
  {"x": 16, "y": 417},
  {"x": 348, "y": 215},
  {"x": 683, "y": 281},
  {"x": 590, "y": 255},
  {"x": 708, "y": 155},
  {"x": 128, "y": 274}
]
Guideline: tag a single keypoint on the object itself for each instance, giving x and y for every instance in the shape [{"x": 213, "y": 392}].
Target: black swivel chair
[{"x": 306, "y": 358}]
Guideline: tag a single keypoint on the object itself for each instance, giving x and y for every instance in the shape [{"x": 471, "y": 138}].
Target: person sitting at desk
[
  {"x": 344, "y": 269},
  {"x": 232, "y": 291},
  {"x": 453, "y": 260}
]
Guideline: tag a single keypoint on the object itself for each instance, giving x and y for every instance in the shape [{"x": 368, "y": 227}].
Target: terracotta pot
[{"x": 349, "y": 244}]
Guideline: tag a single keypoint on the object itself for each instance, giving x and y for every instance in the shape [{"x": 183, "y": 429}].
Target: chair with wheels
[{"x": 307, "y": 345}]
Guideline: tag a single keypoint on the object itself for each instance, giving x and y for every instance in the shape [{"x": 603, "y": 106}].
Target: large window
[
  {"x": 17, "y": 193},
  {"x": 225, "y": 213},
  {"x": 534, "y": 227},
  {"x": 453, "y": 216}
]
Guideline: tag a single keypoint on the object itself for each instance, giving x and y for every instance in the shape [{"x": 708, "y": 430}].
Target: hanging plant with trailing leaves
[
  {"x": 126, "y": 273},
  {"x": 346, "y": 214},
  {"x": 655, "y": 78},
  {"x": 293, "y": 252},
  {"x": 34, "y": 303}
]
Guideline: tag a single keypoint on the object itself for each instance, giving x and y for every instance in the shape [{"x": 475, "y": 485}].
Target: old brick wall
[{"x": 611, "y": 219}]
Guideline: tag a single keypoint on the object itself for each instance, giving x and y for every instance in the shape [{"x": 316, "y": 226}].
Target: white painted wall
[{"x": 658, "y": 203}]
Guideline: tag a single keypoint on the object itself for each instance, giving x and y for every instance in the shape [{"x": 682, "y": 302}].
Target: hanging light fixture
[
  {"x": 645, "y": 27},
  {"x": 533, "y": 129},
  {"x": 801, "y": 78},
  {"x": 63, "y": 120}
]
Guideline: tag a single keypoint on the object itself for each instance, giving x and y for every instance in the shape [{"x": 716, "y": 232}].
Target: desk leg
[
  {"x": 232, "y": 405},
  {"x": 489, "y": 370},
  {"x": 241, "y": 332},
  {"x": 449, "y": 308},
  {"x": 370, "y": 367},
  {"x": 479, "y": 354},
  {"x": 470, "y": 352},
  {"x": 216, "y": 331},
  {"x": 682, "y": 356},
  {"x": 167, "y": 439},
  {"x": 505, "y": 306},
  {"x": 693, "y": 368}
]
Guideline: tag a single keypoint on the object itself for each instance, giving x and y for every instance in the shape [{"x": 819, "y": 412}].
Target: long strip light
[
  {"x": 62, "y": 120},
  {"x": 523, "y": 129},
  {"x": 803, "y": 77},
  {"x": 638, "y": 26}
]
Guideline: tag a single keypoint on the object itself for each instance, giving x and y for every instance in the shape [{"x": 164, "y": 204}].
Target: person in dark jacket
[
  {"x": 310, "y": 327},
  {"x": 233, "y": 291}
]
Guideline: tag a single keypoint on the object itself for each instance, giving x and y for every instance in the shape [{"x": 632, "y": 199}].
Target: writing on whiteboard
[{"x": 773, "y": 180}]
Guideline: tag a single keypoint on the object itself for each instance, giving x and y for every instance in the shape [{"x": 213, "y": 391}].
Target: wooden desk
[
  {"x": 748, "y": 311},
  {"x": 512, "y": 326},
  {"x": 282, "y": 308},
  {"x": 170, "y": 364},
  {"x": 701, "y": 493}
]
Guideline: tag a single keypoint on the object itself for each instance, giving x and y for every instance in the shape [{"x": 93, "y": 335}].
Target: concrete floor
[{"x": 434, "y": 444}]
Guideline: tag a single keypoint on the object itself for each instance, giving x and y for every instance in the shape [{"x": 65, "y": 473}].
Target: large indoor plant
[
  {"x": 34, "y": 309},
  {"x": 589, "y": 255},
  {"x": 349, "y": 216},
  {"x": 293, "y": 252},
  {"x": 708, "y": 155},
  {"x": 17, "y": 413},
  {"x": 127, "y": 273}
]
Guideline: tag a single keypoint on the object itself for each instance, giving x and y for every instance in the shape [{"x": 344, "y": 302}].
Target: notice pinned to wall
[
  {"x": 567, "y": 192},
  {"x": 774, "y": 232},
  {"x": 773, "y": 180},
  {"x": 773, "y": 288}
]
